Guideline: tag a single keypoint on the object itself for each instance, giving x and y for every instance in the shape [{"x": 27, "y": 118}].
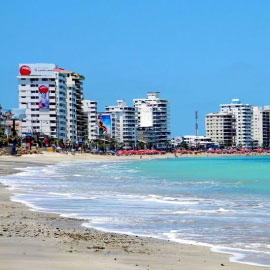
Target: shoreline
[{"x": 29, "y": 237}]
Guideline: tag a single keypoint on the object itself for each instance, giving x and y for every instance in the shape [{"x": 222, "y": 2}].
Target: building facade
[
  {"x": 266, "y": 127},
  {"x": 257, "y": 126},
  {"x": 261, "y": 126},
  {"x": 152, "y": 119},
  {"x": 43, "y": 93},
  {"x": 220, "y": 129},
  {"x": 123, "y": 127},
  {"x": 82, "y": 128},
  {"x": 195, "y": 141},
  {"x": 52, "y": 98},
  {"x": 90, "y": 109},
  {"x": 243, "y": 120}
]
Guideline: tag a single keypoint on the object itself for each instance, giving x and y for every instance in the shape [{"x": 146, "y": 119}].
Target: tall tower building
[
  {"x": 90, "y": 109},
  {"x": 52, "y": 98},
  {"x": 257, "y": 126},
  {"x": 123, "y": 122},
  {"x": 77, "y": 84},
  {"x": 43, "y": 93},
  {"x": 152, "y": 119},
  {"x": 243, "y": 118},
  {"x": 261, "y": 126},
  {"x": 266, "y": 126}
]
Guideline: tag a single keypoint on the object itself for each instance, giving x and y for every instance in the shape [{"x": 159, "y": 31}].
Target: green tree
[{"x": 184, "y": 145}]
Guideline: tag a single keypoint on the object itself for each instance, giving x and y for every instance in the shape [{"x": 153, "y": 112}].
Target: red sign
[
  {"x": 25, "y": 70},
  {"x": 43, "y": 89}
]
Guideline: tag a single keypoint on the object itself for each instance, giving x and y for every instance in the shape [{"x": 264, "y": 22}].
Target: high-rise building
[
  {"x": 90, "y": 109},
  {"x": 52, "y": 98},
  {"x": 257, "y": 126},
  {"x": 43, "y": 93},
  {"x": 261, "y": 126},
  {"x": 220, "y": 128},
  {"x": 152, "y": 119},
  {"x": 243, "y": 117},
  {"x": 76, "y": 122},
  {"x": 123, "y": 123},
  {"x": 82, "y": 129},
  {"x": 266, "y": 126}
]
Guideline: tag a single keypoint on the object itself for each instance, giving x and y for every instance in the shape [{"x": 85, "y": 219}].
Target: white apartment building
[
  {"x": 123, "y": 122},
  {"x": 152, "y": 116},
  {"x": 76, "y": 122},
  {"x": 90, "y": 109},
  {"x": 82, "y": 130},
  {"x": 43, "y": 93},
  {"x": 219, "y": 128},
  {"x": 243, "y": 117},
  {"x": 52, "y": 98},
  {"x": 257, "y": 125},
  {"x": 71, "y": 110},
  {"x": 261, "y": 126}
]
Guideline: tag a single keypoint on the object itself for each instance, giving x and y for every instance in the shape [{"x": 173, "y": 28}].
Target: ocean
[{"x": 222, "y": 203}]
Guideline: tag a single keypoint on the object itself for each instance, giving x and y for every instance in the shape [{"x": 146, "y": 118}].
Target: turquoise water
[{"x": 220, "y": 202}]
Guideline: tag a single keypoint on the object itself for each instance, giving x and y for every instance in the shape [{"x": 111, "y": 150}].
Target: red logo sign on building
[
  {"x": 25, "y": 70},
  {"x": 43, "y": 89}
]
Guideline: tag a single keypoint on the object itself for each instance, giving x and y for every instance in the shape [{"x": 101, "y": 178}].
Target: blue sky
[{"x": 198, "y": 54}]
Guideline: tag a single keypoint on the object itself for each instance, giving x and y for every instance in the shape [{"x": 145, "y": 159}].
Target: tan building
[{"x": 220, "y": 128}]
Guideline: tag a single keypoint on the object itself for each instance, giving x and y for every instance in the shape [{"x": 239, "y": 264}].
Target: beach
[{"x": 49, "y": 241}]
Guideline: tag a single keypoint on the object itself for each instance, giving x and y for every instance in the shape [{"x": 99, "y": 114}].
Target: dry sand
[{"x": 33, "y": 240}]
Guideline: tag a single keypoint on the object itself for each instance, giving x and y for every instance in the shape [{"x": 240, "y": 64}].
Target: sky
[{"x": 197, "y": 54}]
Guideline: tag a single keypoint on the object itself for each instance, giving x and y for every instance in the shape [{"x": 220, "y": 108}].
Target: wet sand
[{"x": 33, "y": 240}]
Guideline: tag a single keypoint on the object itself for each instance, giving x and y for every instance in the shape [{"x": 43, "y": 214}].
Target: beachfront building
[
  {"x": 261, "y": 126},
  {"x": 76, "y": 120},
  {"x": 82, "y": 127},
  {"x": 146, "y": 137},
  {"x": 257, "y": 126},
  {"x": 220, "y": 129},
  {"x": 176, "y": 141},
  {"x": 52, "y": 98},
  {"x": 90, "y": 109},
  {"x": 71, "y": 106},
  {"x": 266, "y": 126},
  {"x": 196, "y": 141},
  {"x": 43, "y": 93},
  {"x": 152, "y": 120},
  {"x": 123, "y": 128},
  {"x": 243, "y": 118}
]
